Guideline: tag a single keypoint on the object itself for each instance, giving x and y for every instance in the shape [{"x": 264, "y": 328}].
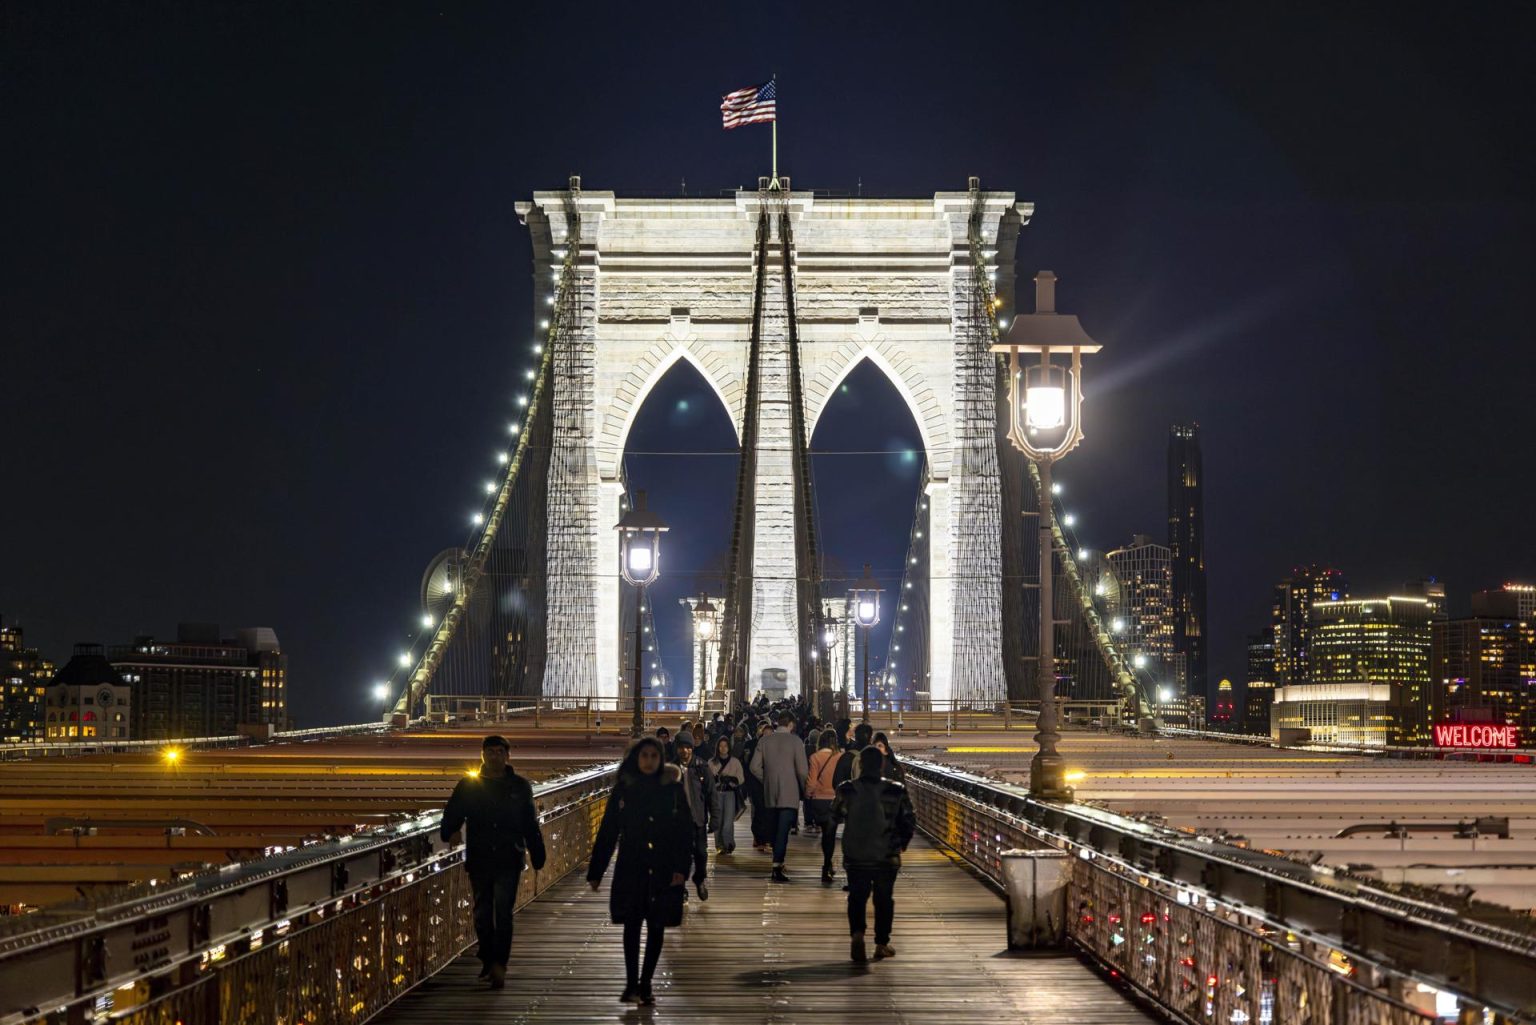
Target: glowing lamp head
[
  {"x": 381, "y": 692},
  {"x": 640, "y": 543},
  {"x": 1045, "y": 397},
  {"x": 865, "y": 600},
  {"x": 641, "y": 560},
  {"x": 172, "y": 755},
  {"x": 1045, "y": 351},
  {"x": 704, "y": 619}
]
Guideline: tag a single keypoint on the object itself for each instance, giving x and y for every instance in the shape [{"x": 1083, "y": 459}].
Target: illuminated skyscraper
[
  {"x": 1292, "y": 618},
  {"x": 1378, "y": 642},
  {"x": 1260, "y": 683},
  {"x": 1483, "y": 669},
  {"x": 1186, "y": 545},
  {"x": 1512, "y": 601},
  {"x": 203, "y": 685},
  {"x": 1142, "y": 615},
  {"x": 24, "y": 674}
]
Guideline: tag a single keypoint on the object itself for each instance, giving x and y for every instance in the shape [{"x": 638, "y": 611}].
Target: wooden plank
[{"x": 761, "y": 952}]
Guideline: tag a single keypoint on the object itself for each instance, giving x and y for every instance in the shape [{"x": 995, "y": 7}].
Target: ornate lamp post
[
  {"x": 640, "y": 563},
  {"x": 704, "y": 630},
  {"x": 864, "y": 606},
  {"x": 1045, "y": 401}
]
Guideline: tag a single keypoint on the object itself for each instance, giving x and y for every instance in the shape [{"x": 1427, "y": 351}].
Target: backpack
[{"x": 867, "y": 837}]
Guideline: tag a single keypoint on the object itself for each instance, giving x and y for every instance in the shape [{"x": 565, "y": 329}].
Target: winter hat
[{"x": 684, "y": 739}]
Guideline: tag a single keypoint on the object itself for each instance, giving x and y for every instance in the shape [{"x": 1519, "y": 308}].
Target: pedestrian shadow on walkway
[{"x": 832, "y": 972}]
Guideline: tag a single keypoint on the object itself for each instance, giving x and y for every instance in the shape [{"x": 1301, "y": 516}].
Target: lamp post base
[{"x": 1048, "y": 777}]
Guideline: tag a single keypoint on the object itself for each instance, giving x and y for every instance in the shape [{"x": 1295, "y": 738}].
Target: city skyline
[{"x": 231, "y": 285}]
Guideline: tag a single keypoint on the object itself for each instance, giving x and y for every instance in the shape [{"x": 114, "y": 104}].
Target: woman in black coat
[
  {"x": 892, "y": 769},
  {"x": 647, "y": 818}
]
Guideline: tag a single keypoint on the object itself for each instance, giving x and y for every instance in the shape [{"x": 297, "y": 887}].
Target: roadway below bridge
[
  {"x": 757, "y": 952},
  {"x": 1297, "y": 802},
  {"x": 75, "y": 825}
]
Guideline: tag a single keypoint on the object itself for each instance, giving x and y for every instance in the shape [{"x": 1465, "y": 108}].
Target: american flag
[{"x": 749, "y": 106}]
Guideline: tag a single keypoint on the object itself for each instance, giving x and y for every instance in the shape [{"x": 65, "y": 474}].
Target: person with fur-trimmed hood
[
  {"x": 879, "y": 822},
  {"x": 648, "y": 820}
]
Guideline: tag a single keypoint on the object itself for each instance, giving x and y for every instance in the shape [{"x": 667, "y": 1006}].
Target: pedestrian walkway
[{"x": 759, "y": 952}]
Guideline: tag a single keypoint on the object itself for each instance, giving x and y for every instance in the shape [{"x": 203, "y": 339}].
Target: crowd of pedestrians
[{"x": 776, "y": 763}]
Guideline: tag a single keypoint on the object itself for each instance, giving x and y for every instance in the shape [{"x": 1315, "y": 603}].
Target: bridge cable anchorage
[
  {"x": 484, "y": 642},
  {"x": 1090, "y": 664},
  {"x": 736, "y": 620}
]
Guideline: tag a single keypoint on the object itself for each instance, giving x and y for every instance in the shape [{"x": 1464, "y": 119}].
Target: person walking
[
  {"x": 879, "y": 823},
  {"x": 497, "y": 804},
  {"x": 762, "y": 821},
  {"x": 781, "y": 764},
  {"x": 820, "y": 793},
  {"x": 647, "y": 819},
  {"x": 729, "y": 779},
  {"x": 891, "y": 768},
  {"x": 848, "y": 764},
  {"x": 698, "y": 787}
]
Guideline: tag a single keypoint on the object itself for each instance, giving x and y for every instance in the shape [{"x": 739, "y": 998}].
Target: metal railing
[
  {"x": 1217, "y": 933},
  {"x": 329, "y": 932},
  {"x": 614, "y": 714}
]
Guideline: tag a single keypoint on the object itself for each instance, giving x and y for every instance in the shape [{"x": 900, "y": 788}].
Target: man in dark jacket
[
  {"x": 699, "y": 786},
  {"x": 503, "y": 828},
  {"x": 879, "y": 822}
]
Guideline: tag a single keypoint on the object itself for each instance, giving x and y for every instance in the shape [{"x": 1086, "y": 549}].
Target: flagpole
[{"x": 774, "y": 181}]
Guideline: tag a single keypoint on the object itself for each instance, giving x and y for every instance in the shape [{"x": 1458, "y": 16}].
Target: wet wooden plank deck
[{"x": 757, "y": 952}]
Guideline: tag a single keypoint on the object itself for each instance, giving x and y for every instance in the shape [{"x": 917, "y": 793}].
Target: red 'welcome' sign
[{"x": 1476, "y": 734}]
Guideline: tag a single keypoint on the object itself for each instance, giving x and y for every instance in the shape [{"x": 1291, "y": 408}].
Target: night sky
[{"x": 266, "y": 301}]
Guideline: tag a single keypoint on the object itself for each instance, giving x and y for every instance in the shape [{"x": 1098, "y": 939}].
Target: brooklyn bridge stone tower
[{"x": 892, "y": 281}]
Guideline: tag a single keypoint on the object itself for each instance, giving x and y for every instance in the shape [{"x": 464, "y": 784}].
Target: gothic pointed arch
[
  {"x": 631, "y": 393},
  {"x": 931, "y": 418}
]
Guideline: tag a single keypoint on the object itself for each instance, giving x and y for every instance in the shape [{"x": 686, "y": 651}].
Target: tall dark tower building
[{"x": 1186, "y": 542}]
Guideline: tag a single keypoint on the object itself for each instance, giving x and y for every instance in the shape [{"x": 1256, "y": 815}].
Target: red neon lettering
[{"x": 1484, "y": 735}]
